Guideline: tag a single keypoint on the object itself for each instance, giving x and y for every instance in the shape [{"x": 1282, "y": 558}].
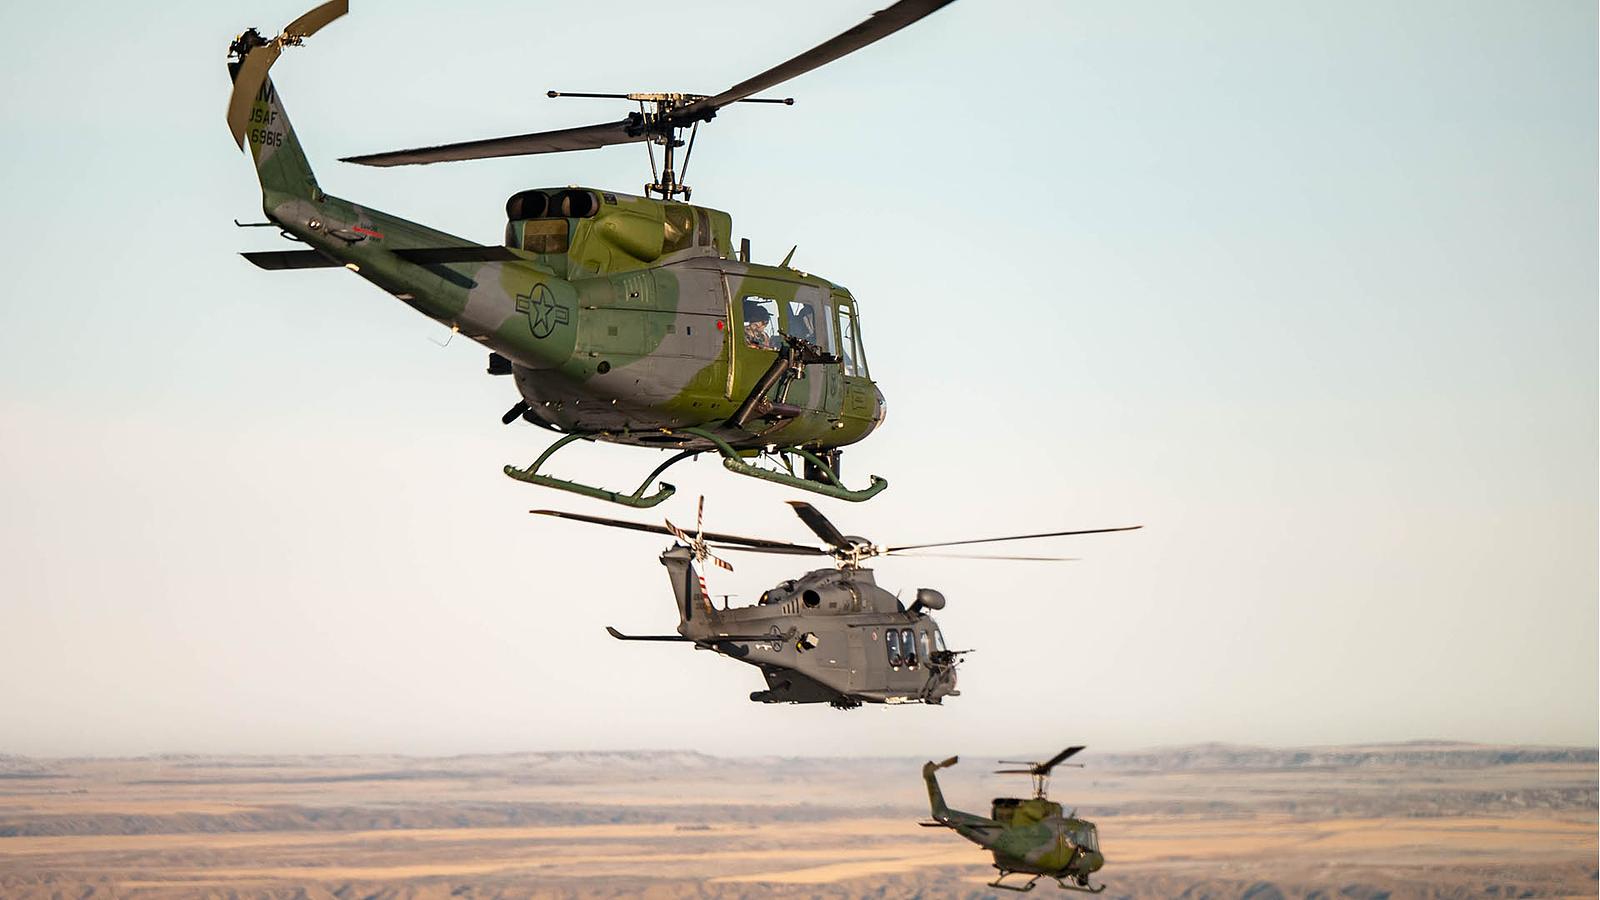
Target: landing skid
[
  {"x": 637, "y": 499},
  {"x": 1081, "y": 887},
  {"x": 828, "y": 486},
  {"x": 1000, "y": 883}
]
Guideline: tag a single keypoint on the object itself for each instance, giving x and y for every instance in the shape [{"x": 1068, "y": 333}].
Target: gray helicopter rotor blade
[
  {"x": 791, "y": 550},
  {"x": 819, "y": 524},
  {"x": 883, "y": 23},
  {"x": 739, "y": 542},
  {"x": 981, "y": 556},
  {"x": 584, "y": 137},
  {"x": 1014, "y": 537}
]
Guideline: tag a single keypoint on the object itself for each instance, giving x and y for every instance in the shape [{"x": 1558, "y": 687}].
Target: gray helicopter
[{"x": 829, "y": 636}]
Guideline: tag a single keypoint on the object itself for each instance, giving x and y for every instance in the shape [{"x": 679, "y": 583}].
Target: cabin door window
[
  {"x": 760, "y": 322},
  {"x": 806, "y": 320}
]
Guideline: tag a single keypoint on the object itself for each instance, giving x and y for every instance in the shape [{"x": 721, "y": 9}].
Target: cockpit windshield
[{"x": 1086, "y": 838}]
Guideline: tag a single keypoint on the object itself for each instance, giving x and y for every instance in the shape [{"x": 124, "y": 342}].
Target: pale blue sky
[{"x": 1307, "y": 289}]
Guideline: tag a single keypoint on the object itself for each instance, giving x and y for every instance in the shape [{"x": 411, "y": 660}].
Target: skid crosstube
[{"x": 731, "y": 460}]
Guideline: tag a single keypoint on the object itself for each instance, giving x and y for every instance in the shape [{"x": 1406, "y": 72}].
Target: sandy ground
[{"x": 1418, "y": 822}]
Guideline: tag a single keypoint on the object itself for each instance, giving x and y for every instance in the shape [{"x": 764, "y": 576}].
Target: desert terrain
[{"x": 1399, "y": 821}]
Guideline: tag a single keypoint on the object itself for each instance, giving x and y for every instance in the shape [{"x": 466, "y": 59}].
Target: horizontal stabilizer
[
  {"x": 423, "y": 256},
  {"x": 291, "y": 259},
  {"x": 646, "y": 637},
  {"x": 713, "y": 639}
]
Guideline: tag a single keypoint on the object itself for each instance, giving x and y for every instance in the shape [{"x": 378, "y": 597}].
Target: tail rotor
[
  {"x": 256, "y": 54},
  {"x": 697, "y": 543}
]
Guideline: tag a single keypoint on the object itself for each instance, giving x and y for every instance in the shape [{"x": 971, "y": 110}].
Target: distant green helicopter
[
  {"x": 1030, "y": 836},
  {"x": 621, "y": 318}
]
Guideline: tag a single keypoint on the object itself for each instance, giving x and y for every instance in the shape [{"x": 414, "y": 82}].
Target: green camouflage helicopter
[
  {"x": 829, "y": 636},
  {"x": 1030, "y": 836},
  {"x": 621, "y": 318}
]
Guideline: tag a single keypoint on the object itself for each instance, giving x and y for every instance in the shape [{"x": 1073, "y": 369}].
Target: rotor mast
[
  {"x": 1041, "y": 770},
  {"x": 657, "y": 123}
]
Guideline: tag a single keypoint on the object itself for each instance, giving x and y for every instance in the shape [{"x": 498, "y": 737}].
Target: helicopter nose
[
  {"x": 880, "y": 409},
  {"x": 1093, "y": 860}
]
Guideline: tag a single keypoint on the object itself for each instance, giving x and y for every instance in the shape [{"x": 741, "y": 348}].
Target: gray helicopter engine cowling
[{"x": 832, "y": 591}]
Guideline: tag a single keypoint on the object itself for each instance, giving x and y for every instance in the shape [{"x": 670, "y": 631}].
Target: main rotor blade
[
  {"x": 313, "y": 21},
  {"x": 981, "y": 556},
  {"x": 780, "y": 549},
  {"x": 585, "y": 137},
  {"x": 1015, "y": 537},
  {"x": 819, "y": 524},
  {"x": 744, "y": 543},
  {"x": 883, "y": 23},
  {"x": 1044, "y": 768}
]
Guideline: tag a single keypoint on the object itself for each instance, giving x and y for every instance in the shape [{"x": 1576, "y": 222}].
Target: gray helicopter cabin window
[
  {"x": 908, "y": 648},
  {"x": 924, "y": 636},
  {"x": 891, "y": 644},
  {"x": 938, "y": 641}
]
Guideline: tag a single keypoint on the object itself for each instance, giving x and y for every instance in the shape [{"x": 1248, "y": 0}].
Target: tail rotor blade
[{"x": 678, "y": 533}]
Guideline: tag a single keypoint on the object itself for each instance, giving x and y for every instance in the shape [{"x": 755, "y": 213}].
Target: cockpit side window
[
  {"x": 802, "y": 322},
  {"x": 908, "y": 648},
  {"x": 849, "y": 345}
]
